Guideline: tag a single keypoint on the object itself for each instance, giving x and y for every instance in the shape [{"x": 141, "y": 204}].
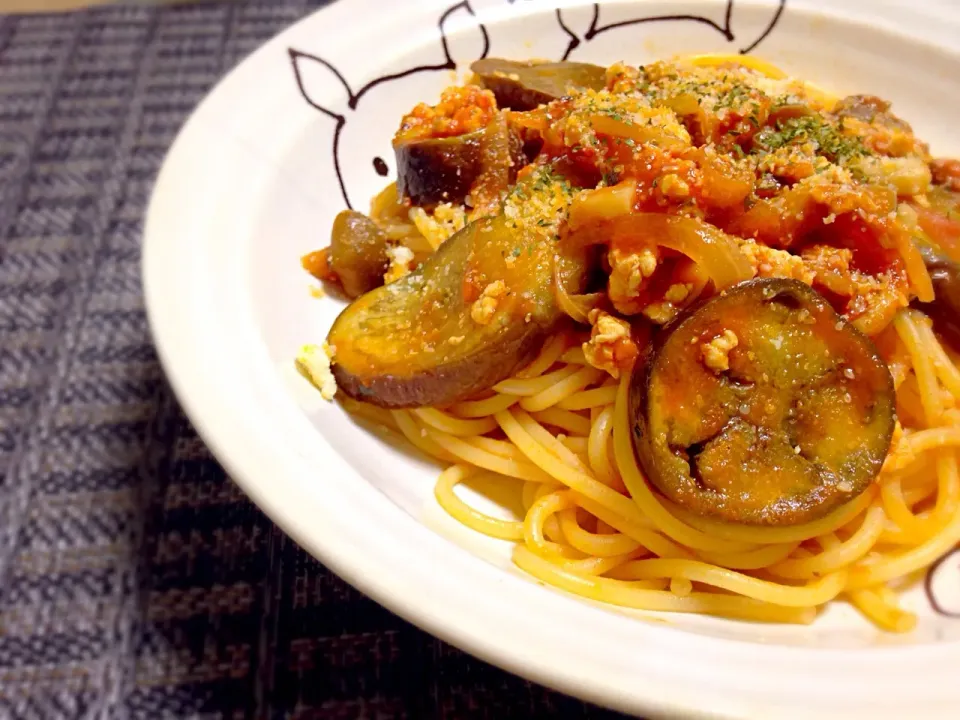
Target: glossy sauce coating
[{"x": 762, "y": 407}]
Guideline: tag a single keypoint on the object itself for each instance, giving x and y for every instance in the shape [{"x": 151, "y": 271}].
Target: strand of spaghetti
[
  {"x": 633, "y": 595},
  {"x": 543, "y": 436},
  {"x": 564, "y": 419},
  {"x": 536, "y": 518},
  {"x": 563, "y": 389},
  {"x": 454, "y": 425},
  {"x": 681, "y": 587},
  {"x": 905, "y": 323},
  {"x": 917, "y": 557},
  {"x": 923, "y": 440},
  {"x": 830, "y": 522},
  {"x": 551, "y": 526},
  {"x": 463, "y": 513},
  {"x": 643, "y": 497},
  {"x": 947, "y": 372},
  {"x": 916, "y": 494},
  {"x": 590, "y": 543},
  {"x": 577, "y": 445},
  {"x": 488, "y": 461},
  {"x": 569, "y": 476},
  {"x": 816, "y": 592},
  {"x": 762, "y": 557},
  {"x": 574, "y": 356},
  {"x": 897, "y": 510},
  {"x": 496, "y": 447},
  {"x": 597, "y": 445},
  {"x": 887, "y": 616},
  {"x": 549, "y": 354},
  {"x": 599, "y": 565},
  {"x": 649, "y": 538},
  {"x": 586, "y": 399},
  {"x": 948, "y": 492},
  {"x": 829, "y": 540},
  {"x": 482, "y": 408},
  {"x": 532, "y": 386},
  {"x": 839, "y": 556},
  {"x": 408, "y": 426}
]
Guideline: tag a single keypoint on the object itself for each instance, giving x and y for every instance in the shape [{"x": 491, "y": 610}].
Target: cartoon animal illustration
[
  {"x": 942, "y": 584},
  {"x": 585, "y": 24},
  {"x": 361, "y": 150}
]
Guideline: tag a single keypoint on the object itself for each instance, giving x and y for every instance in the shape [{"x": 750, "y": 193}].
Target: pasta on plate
[{"x": 703, "y": 317}]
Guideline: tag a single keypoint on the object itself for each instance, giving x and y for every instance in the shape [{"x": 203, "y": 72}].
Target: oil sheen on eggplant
[
  {"x": 439, "y": 170},
  {"x": 798, "y": 423},
  {"x": 415, "y": 343},
  {"x": 525, "y": 85}
]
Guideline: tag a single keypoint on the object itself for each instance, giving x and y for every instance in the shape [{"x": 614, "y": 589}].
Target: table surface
[{"x": 136, "y": 580}]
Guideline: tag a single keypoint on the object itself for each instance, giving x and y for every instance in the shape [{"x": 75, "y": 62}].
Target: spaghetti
[{"x": 559, "y": 431}]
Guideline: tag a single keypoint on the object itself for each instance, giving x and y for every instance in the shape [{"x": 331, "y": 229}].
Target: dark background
[{"x": 136, "y": 581}]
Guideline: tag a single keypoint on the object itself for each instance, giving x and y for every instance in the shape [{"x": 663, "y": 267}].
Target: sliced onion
[
  {"x": 607, "y": 125},
  {"x": 578, "y": 307},
  {"x": 593, "y": 206},
  {"x": 711, "y": 249}
]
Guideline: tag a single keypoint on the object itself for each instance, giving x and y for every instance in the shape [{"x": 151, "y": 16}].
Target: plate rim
[{"x": 201, "y": 403}]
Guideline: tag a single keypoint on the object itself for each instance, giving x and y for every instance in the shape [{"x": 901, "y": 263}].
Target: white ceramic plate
[{"x": 254, "y": 181}]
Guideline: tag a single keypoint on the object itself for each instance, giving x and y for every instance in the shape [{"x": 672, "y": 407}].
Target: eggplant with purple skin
[
  {"x": 762, "y": 407},
  {"x": 527, "y": 85},
  {"x": 439, "y": 170},
  {"x": 945, "y": 308},
  {"x": 420, "y": 341}
]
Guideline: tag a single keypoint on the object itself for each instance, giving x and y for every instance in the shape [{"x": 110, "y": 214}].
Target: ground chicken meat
[
  {"x": 611, "y": 347},
  {"x": 770, "y": 262},
  {"x": 716, "y": 353},
  {"x": 628, "y": 271},
  {"x": 485, "y": 306}
]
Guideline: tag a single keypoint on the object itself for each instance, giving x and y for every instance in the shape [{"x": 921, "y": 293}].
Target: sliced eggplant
[
  {"x": 526, "y": 85},
  {"x": 357, "y": 255},
  {"x": 421, "y": 342},
  {"x": 945, "y": 308},
  {"x": 870, "y": 109},
  {"x": 762, "y": 407},
  {"x": 439, "y": 170}
]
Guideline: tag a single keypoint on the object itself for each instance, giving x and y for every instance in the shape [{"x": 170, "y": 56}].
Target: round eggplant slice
[
  {"x": 526, "y": 85},
  {"x": 440, "y": 170},
  {"x": 425, "y": 341},
  {"x": 762, "y": 407}
]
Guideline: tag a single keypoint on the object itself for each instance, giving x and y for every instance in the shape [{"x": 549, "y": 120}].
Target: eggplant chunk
[
  {"x": 762, "y": 407},
  {"x": 439, "y": 170},
  {"x": 357, "y": 255},
  {"x": 525, "y": 85},
  {"x": 945, "y": 308},
  {"x": 469, "y": 317}
]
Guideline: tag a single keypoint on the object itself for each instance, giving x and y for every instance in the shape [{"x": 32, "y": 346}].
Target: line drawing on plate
[
  {"x": 942, "y": 585},
  {"x": 598, "y": 27},
  {"x": 326, "y": 77},
  {"x": 328, "y": 81}
]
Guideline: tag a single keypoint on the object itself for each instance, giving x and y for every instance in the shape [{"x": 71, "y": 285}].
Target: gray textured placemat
[{"x": 136, "y": 581}]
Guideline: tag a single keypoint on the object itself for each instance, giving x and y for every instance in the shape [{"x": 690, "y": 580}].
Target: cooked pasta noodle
[
  {"x": 744, "y": 572},
  {"x": 559, "y": 433}
]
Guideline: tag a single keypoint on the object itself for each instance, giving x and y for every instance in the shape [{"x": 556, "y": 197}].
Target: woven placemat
[{"x": 136, "y": 581}]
